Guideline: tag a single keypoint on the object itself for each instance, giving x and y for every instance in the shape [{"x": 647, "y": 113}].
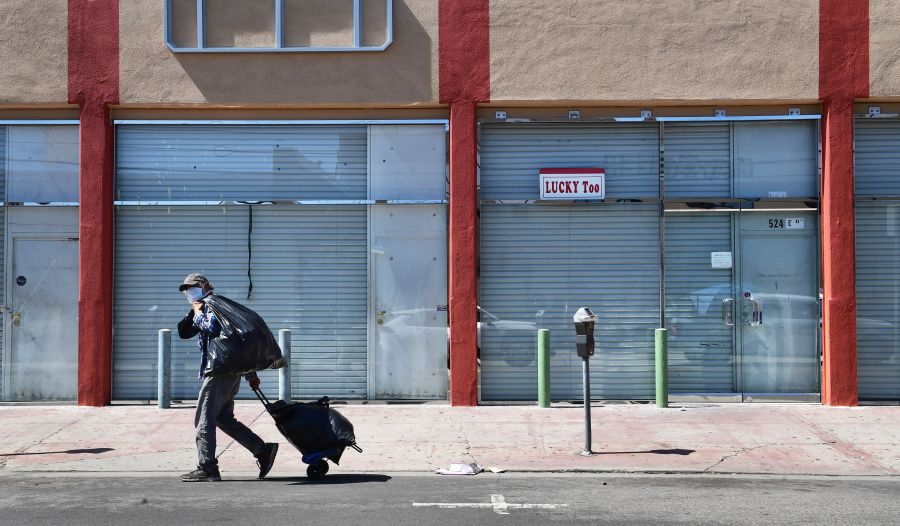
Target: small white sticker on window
[
  {"x": 794, "y": 223},
  {"x": 777, "y": 194}
]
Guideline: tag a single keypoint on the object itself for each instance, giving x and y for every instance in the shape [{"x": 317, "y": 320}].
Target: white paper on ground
[{"x": 461, "y": 468}]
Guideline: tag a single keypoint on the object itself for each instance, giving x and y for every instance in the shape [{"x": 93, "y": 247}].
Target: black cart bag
[{"x": 315, "y": 429}]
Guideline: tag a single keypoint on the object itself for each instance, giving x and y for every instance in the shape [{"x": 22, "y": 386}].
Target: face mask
[{"x": 194, "y": 294}]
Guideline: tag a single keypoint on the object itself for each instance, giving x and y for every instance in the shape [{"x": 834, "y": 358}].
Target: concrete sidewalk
[{"x": 739, "y": 438}]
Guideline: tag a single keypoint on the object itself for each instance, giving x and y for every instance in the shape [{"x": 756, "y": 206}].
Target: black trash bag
[
  {"x": 245, "y": 343},
  {"x": 313, "y": 427}
]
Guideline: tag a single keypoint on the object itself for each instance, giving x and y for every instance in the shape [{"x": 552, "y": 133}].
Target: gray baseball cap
[{"x": 195, "y": 280}]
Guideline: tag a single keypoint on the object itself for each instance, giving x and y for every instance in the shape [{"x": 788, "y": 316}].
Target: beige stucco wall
[
  {"x": 33, "y": 52},
  {"x": 610, "y": 50},
  {"x": 405, "y": 74},
  {"x": 884, "y": 58}
]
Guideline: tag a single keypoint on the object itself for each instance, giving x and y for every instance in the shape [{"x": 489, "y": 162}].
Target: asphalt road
[{"x": 399, "y": 499}]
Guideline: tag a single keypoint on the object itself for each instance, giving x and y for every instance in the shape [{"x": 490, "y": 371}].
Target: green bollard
[
  {"x": 543, "y": 346},
  {"x": 662, "y": 368}
]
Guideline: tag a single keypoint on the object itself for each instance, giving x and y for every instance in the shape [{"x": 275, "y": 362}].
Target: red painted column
[
  {"x": 463, "y": 255},
  {"x": 464, "y": 71},
  {"x": 843, "y": 77},
  {"x": 94, "y": 85}
]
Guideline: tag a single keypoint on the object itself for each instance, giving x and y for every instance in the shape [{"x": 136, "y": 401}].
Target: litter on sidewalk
[{"x": 461, "y": 468}]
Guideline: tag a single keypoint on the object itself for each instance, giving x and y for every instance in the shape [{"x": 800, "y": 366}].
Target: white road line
[{"x": 498, "y": 505}]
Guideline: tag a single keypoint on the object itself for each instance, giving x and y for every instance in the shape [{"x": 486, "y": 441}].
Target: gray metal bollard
[
  {"x": 284, "y": 374},
  {"x": 164, "y": 369}
]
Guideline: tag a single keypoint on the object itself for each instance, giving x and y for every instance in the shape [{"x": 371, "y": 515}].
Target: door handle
[
  {"x": 16, "y": 319},
  {"x": 379, "y": 317},
  {"x": 728, "y": 312},
  {"x": 757, "y": 312}
]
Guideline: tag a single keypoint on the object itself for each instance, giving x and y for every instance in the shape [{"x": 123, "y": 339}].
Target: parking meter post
[
  {"x": 164, "y": 369},
  {"x": 586, "y": 370},
  {"x": 284, "y": 374},
  {"x": 543, "y": 360},
  {"x": 662, "y": 368},
  {"x": 584, "y": 346}
]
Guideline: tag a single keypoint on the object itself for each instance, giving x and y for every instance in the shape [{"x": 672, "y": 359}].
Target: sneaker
[
  {"x": 266, "y": 458},
  {"x": 201, "y": 475}
]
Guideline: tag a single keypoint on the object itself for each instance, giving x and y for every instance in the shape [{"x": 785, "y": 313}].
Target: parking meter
[
  {"x": 584, "y": 346},
  {"x": 584, "y": 332}
]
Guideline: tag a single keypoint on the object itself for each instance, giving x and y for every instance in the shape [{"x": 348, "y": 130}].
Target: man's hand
[
  {"x": 253, "y": 380},
  {"x": 197, "y": 306}
]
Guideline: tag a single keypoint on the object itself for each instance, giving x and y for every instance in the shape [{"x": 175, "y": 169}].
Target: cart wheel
[{"x": 317, "y": 470}]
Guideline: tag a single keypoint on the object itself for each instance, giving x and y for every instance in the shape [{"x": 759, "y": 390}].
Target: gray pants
[{"x": 215, "y": 407}]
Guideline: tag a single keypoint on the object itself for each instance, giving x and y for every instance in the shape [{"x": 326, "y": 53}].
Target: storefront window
[
  {"x": 334, "y": 232},
  {"x": 541, "y": 261},
  {"x": 39, "y": 278},
  {"x": 734, "y": 206}
]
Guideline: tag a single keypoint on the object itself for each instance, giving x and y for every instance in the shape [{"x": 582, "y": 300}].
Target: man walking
[{"x": 215, "y": 404}]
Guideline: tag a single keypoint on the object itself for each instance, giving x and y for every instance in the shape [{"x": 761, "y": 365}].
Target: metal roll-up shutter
[
  {"x": 513, "y": 154},
  {"x": 309, "y": 274},
  {"x": 539, "y": 264},
  {"x": 878, "y": 299},
  {"x": 2, "y": 250},
  {"x": 697, "y": 159},
  {"x": 701, "y": 346},
  {"x": 252, "y": 163},
  {"x": 877, "y": 174},
  {"x": 877, "y": 157},
  {"x": 2, "y": 290}
]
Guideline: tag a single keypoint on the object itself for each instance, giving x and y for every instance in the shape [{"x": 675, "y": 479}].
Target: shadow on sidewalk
[
  {"x": 342, "y": 479},
  {"x": 676, "y": 451},
  {"x": 350, "y": 478},
  {"x": 93, "y": 451}
]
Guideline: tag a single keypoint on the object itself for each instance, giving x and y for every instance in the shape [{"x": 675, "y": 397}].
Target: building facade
[{"x": 368, "y": 175}]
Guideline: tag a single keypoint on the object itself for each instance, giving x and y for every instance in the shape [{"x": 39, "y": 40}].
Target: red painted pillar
[
  {"x": 464, "y": 71},
  {"x": 463, "y": 255},
  {"x": 839, "y": 371},
  {"x": 94, "y": 85},
  {"x": 843, "y": 77}
]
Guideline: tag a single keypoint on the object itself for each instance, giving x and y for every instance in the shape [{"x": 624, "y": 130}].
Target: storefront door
[
  {"x": 776, "y": 303},
  {"x": 742, "y": 304},
  {"x": 408, "y": 321},
  {"x": 43, "y": 320}
]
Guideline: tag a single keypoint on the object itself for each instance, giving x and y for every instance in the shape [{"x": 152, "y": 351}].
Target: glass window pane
[
  {"x": 513, "y": 154},
  {"x": 42, "y": 164},
  {"x": 775, "y": 159},
  {"x": 242, "y": 163}
]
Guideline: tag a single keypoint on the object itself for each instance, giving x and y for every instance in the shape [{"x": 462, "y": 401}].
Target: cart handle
[{"x": 262, "y": 398}]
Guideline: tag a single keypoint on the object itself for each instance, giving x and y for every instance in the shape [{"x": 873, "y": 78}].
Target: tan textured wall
[
  {"x": 33, "y": 51},
  {"x": 613, "y": 50},
  {"x": 405, "y": 74},
  {"x": 884, "y": 58}
]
